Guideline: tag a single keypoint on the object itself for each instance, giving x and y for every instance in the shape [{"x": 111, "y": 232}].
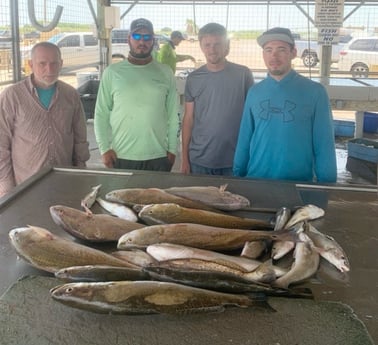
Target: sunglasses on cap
[{"x": 138, "y": 37}]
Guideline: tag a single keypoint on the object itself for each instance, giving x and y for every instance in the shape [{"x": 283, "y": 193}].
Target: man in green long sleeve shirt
[
  {"x": 167, "y": 53},
  {"x": 136, "y": 117}
]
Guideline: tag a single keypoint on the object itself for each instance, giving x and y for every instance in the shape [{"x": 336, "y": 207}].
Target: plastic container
[
  {"x": 88, "y": 95},
  {"x": 364, "y": 149},
  {"x": 370, "y": 122},
  {"x": 82, "y": 77},
  {"x": 344, "y": 128}
]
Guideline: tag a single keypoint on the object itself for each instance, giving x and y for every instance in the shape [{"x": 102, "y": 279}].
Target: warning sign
[
  {"x": 329, "y": 13},
  {"x": 328, "y": 36}
]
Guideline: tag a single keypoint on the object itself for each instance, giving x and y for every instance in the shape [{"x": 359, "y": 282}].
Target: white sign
[
  {"x": 329, "y": 13},
  {"x": 328, "y": 36}
]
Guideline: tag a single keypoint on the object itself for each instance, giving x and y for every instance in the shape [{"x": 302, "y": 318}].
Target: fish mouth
[
  {"x": 54, "y": 212},
  {"x": 129, "y": 246}
]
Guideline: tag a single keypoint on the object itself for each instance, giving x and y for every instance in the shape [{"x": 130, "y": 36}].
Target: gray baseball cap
[
  {"x": 141, "y": 23},
  {"x": 276, "y": 34}
]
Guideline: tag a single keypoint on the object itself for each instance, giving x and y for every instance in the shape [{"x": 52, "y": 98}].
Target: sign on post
[{"x": 329, "y": 17}]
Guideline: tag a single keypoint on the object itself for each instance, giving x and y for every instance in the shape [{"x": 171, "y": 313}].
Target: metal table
[{"x": 351, "y": 218}]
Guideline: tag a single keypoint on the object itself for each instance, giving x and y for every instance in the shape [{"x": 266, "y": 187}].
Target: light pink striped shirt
[{"x": 32, "y": 137}]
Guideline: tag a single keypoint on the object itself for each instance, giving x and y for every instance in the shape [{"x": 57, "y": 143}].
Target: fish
[
  {"x": 90, "y": 199},
  {"x": 170, "y": 251},
  {"x": 198, "y": 236},
  {"x": 220, "y": 281},
  {"x": 264, "y": 273},
  {"x": 212, "y": 196},
  {"x": 254, "y": 249},
  {"x": 97, "y": 228},
  {"x": 147, "y": 196},
  {"x": 282, "y": 217},
  {"x": 48, "y": 252},
  {"x": 150, "y": 297},
  {"x": 169, "y": 213},
  {"x": 118, "y": 210},
  {"x": 281, "y": 248},
  {"x": 135, "y": 256},
  {"x": 329, "y": 249},
  {"x": 98, "y": 273},
  {"x": 305, "y": 265},
  {"x": 305, "y": 213}
]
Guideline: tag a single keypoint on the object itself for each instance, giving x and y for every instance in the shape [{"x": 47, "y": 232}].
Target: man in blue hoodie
[{"x": 286, "y": 132}]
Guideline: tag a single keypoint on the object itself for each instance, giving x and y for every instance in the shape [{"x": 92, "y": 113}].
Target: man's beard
[{"x": 140, "y": 55}]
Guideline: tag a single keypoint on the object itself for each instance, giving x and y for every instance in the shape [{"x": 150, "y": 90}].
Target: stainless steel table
[{"x": 351, "y": 218}]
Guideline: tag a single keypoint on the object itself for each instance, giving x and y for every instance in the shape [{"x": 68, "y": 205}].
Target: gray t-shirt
[{"x": 218, "y": 106}]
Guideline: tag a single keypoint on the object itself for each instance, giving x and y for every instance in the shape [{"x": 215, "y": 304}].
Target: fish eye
[{"x": 69, "y": 289}]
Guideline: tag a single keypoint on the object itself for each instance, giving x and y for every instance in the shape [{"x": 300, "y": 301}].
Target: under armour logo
[{"x": 286, "y": 111}]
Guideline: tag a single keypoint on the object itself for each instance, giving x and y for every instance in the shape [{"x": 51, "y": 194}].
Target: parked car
[
  {"x": 309, "y": 51},
  {"x": 5, "y": 39},
  {"x": 359, "y": 56},
  {"x": 33, "y": 35},
  {"x": 120, "y": 35},
  {"x": 81, "y": 49},
  {"x": 161, "y": 39}
]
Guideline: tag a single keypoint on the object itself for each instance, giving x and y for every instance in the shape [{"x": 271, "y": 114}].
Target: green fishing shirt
[{"x": 136, "y": 111}]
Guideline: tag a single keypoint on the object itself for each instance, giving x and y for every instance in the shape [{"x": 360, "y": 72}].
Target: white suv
[{"x": 359, "y": 56}]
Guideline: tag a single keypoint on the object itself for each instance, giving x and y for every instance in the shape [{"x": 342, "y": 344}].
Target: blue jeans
[{"x": 198, "y": 169}]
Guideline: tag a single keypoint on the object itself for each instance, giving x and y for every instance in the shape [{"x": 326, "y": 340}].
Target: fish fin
[
  {"x": 260, "y": 300},
  {"x": 223, "y": 187}
]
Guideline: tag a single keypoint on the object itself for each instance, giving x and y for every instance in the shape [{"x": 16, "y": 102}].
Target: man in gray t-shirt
[{"x": 214, "y": 100}]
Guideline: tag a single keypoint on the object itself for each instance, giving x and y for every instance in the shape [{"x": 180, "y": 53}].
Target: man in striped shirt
[{"x": 42, "y": 121}]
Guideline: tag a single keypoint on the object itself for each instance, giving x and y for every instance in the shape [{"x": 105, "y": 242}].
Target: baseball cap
[
  {"x": 141, "y": 23},
  {"x": 177, "y": 34},
  {"x": 276, "y": 34}
]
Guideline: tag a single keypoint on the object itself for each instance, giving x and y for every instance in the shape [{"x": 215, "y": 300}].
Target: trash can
[{"x": 88, "y": 95}]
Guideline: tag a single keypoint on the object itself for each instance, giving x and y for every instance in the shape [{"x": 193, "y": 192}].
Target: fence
[{"x": 244, "y": 21}]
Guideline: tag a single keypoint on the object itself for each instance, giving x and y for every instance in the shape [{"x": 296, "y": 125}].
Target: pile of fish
[{"x": 177, "y": 250}]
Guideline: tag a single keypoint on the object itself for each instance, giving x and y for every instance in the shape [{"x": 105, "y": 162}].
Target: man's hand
[
  {"x": 109, "y": 158},
  {"x": 185, "y": 166}
]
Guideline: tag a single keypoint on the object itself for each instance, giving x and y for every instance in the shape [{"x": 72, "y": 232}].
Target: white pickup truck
[
  {"x": 81, "y": 49},
  {"x": 309, "y": 51}
]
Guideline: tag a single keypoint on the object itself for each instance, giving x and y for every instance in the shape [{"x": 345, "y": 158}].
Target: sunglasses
[{"x": 138, "y": 37}]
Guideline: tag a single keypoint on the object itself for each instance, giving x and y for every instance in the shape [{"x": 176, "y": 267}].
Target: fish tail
[
  {"x": 290, "y": 235},
  {"x": 260, "y": 300}
]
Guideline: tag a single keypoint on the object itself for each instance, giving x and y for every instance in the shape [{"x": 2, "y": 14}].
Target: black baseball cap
[
  {"x": 141, "y": 23},
  {"x": 276, "y": 34},
  {"x": 177, "y": 34}
]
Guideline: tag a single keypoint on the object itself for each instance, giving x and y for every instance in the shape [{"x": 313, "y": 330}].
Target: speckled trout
[
  {"x": 150, "y": 297},
  {"x": 146, "y": 196},
  {"x": 305, "y": 265},
  {"x": 94, "y": 227},
  {"x": 48, "y": 252},
  {"x": 100, "y": 273},
  {"x": 172, "y": 213},
  {"x": 198, "y": 236},
  {"x": 215, "y": 197}
]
